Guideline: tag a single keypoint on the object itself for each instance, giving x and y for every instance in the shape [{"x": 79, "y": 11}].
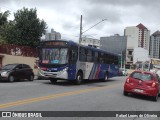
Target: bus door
[{"x": 73, "y": 56}]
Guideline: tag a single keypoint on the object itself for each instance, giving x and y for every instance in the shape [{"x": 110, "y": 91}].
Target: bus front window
[{"x": 54, "y": 55}]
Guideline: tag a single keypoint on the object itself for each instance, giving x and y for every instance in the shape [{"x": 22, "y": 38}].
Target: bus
[{"x": 68, "y": 60}]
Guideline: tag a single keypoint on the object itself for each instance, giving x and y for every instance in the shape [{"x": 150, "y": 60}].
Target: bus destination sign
[{"x": 55, "y": 43}]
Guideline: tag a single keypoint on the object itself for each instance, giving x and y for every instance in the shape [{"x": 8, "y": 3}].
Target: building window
[{"x": 130, "y": 52}]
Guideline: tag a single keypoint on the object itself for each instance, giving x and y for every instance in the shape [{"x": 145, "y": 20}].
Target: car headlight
[{"x": 4, "y": 74}]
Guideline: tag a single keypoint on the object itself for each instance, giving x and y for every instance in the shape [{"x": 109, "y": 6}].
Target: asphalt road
[{"x": 41, "y": 95}]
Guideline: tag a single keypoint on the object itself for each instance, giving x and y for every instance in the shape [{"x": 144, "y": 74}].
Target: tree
[
  {"x": 26, "y": 29},
  {"x": 3, "y": 23},
  {"x": 3, "y": 17}
]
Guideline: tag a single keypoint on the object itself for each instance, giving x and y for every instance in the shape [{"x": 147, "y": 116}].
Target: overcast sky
[{"x": 64, "y": 15}]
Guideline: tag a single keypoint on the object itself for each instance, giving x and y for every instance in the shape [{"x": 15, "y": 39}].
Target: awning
[{"x": 1, "y": 56}]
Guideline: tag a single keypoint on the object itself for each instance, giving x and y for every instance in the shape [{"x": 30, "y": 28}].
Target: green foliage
[
  {"x": 3, "y": 18},
  {"x": 10, "y": 33},
  {"x": 26, "y": 29},
  {"x": 3, "y": 24}
]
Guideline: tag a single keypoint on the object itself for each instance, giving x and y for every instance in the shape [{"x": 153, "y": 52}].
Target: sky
[{"x": 64, "y": 15}]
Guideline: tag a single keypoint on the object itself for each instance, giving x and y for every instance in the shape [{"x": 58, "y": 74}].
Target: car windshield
[
  {"x": 141, "y": 76},
  {"x": 8, "y": 67},
  {"x": 54, "y": 55}
]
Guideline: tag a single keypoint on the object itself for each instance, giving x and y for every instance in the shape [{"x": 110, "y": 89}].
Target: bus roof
[{"x": 74, "y": 43}]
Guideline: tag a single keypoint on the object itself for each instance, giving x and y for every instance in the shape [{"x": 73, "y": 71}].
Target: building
[
  {"x": 53, "y": 35},
  {"x": 155, "y": 45},
  {"x": 137, "y": 36},
  {"x": 115, "y": 44},
  {"x": 90, "y": 42},
  {"x": 140, "y": 55}
]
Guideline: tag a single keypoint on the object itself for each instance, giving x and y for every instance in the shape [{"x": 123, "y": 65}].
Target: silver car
[{"x": 124, "y": 71}]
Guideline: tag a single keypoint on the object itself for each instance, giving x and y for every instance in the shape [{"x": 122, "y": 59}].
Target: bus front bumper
[{"x": 49, "y": 75}]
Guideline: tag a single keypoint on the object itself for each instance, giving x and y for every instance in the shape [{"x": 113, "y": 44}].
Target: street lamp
[{"x": 80, "y": 35}]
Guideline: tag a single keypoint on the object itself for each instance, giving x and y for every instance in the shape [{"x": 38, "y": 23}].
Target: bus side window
[
  {"x": 101, "y": 58},
  {"x": 112, "y": 59},
  {"x": 115, "y": 60},
  {"x": 89, "y": 56},
  {"x": 82, "y": 54},
  {"x": 107, "y": 59},
  {"x": 74, "y": 54},
  {"x": 96, "y": 57}
]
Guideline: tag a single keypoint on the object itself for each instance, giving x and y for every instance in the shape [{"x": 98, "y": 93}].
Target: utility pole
[{"x": 80, "y": 34}]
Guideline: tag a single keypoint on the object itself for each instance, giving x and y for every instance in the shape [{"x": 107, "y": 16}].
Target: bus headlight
[{"x": 65, "y": 69}]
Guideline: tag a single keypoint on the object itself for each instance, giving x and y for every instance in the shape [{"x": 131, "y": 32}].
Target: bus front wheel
[
  {"x": 79, "y": 78},
  {"x": 53, "y": 81}
]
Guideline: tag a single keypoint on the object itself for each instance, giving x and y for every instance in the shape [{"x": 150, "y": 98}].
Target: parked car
[
  {"x": 123, "y": 72},
  {"x": 12, "y": 72},
  {"x": 144, "y": 83},
  {"x": 158, "y": 72}
]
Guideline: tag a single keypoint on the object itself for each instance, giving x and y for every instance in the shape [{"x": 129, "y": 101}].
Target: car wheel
[
  {"x": 11, "y": 78},
  {"x": 53, "y": 81},
  {"x": 31, "y": 78},
  {"x": 125, "y": 93},
  {"x": 155, "y": 98},
  {"x": 79, "y": 78}
]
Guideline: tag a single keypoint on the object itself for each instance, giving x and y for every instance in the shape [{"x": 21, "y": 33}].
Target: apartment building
[
  {"x": 154, "y": 50},
  {"x": 137, "y": 36},
  {"x": 90, "y": 42},
  {"x": 53, "y": 35}
]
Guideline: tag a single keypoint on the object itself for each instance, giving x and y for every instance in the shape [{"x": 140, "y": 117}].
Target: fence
[{"x": 19, "y": 50}]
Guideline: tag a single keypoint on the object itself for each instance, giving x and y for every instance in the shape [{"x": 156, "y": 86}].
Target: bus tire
[
  {"x": 79, "y": 78},
  {"x": 105, "y": 77},
  {"x": 53, "y": 81}
]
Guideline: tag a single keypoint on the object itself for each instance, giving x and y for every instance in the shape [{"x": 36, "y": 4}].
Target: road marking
[{"x": 53, "y": 96}]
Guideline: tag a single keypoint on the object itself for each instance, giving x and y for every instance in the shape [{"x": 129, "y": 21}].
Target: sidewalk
[{"x": 130, "y": 71}]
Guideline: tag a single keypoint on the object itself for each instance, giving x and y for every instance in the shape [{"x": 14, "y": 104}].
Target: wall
[
  {"x": 132, "y": 34},
  {"x": 114, "y": 44},
  {"x": 9, "y": 59},
  {"x": 140, "y": 54}
]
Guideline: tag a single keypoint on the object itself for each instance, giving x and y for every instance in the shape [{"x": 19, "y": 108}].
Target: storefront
[{"x": 1, "y": 57}]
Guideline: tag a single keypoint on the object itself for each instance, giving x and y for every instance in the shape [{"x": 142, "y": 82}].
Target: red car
[{"x": 144, "y": 83}]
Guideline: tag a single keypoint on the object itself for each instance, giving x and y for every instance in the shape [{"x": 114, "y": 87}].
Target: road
[{"x": 41, "y": 95}]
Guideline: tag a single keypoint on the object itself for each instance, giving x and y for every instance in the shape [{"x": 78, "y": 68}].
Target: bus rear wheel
[
  {"x": 105, "y": 77},
  {"x": 79, "y": 78}
]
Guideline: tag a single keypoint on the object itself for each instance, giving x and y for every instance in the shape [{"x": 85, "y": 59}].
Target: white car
[
  {"x": 152, "y": 70},
  {"x": 158, "y": 72},
  {"x": 124, "y": 71}
]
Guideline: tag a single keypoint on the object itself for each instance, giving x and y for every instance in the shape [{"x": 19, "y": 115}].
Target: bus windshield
[{"x": 54, "y": 55}]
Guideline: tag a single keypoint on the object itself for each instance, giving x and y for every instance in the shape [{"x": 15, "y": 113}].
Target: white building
[
  {"x": 155, "y": 45},
  {"x": 53, "y": 35},
  {"x": 90, "y": 42},
  {"x": 137, "y": 36},
  {"x": 140, "y": 55}
]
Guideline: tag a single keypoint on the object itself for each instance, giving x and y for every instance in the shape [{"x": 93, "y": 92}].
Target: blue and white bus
[{"x": 67, "y": 60}]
